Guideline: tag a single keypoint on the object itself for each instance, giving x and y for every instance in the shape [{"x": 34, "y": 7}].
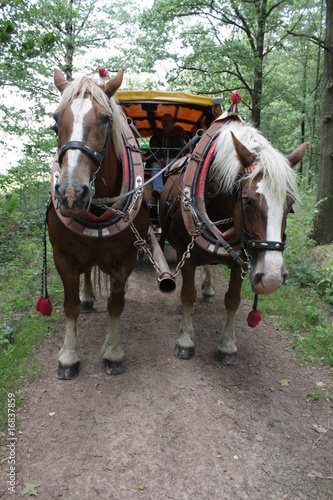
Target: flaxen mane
[{"x": 271, "y": 163}]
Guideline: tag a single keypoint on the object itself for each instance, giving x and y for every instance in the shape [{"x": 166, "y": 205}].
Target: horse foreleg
[
  {"x": 227, "y": 350},
  {"x": 207, "y": 286},
  {"x": 70, "y": 354},
  {"x": 87, "y": 295},
  {"x": 112, "y": 351},
  {"x": 185, "y": 348}
]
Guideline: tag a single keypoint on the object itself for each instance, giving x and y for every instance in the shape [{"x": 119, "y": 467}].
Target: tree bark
[{"x": 323, "y": 224}]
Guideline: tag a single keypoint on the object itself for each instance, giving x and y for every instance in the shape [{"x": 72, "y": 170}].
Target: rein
[{"x": 167, "y": 170}]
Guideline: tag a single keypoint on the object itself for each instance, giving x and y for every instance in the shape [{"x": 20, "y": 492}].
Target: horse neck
[{"x": 220, "y": 207}]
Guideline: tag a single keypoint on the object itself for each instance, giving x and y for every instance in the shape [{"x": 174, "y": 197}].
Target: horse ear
[
  {"x": 59, "y": 80},
  {"x": 244, "y": 155},
  {"x": 297, "y": 155},
  {"x": 113, "y": 85}
]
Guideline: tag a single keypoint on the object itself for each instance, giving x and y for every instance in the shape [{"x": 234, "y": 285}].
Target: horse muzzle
[
  {"x": 73, "y": 199},
  {"x": 268, "y": 273}
]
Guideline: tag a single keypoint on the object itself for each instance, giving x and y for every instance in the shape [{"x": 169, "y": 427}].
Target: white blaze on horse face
[
  {"x": 79, "y": 107},
  {"x": 273, "y": 266}
]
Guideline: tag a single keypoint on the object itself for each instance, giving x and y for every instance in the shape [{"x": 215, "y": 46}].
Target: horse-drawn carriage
[
  {"x": 145, "y": 111},
  {"x": 226, "y": 202}
]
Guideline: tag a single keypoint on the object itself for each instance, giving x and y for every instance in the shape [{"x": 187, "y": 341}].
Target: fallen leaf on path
[
  {"x": 30, "y": 489},
  {"x": 285, "y": 382},
  {"x": 318, "y": 428},
  {"x": 52, "y": 413}
]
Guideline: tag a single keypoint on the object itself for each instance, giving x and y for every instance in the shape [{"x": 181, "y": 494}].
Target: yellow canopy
[{"x": 146, "y": 109}]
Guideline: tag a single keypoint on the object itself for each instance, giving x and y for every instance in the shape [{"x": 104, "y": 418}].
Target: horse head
[
  {"x": 267, "y": 191},
  {"x": 87, "y": 123}
]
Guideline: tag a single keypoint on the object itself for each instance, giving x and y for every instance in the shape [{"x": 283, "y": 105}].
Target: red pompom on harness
[
  {"x": 44, "y": 305},
  {"x": 254, "y": 316}
]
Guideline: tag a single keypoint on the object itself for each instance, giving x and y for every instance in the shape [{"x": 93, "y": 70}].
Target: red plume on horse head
[{"x": 235, "y": 98}]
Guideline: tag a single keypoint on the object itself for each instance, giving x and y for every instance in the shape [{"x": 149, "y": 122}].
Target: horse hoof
[
  {"x": 226, "y": 359},
  {"x": 208, "y": 299},
  {"x": 68, "y": 372},
  {"x": 86, "y": 307},
  {"x": 184, "y": 352},
  {"x": 113, "y": 367}
]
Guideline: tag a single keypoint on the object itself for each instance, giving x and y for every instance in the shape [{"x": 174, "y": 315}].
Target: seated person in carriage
[{"x": 166, "y": 144}]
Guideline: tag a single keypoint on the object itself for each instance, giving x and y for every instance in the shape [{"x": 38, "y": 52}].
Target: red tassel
[
  {"x": 236, "y": 97},
  {"x": 103, "y": 73},
  {"x": 44, "y": 306},
  {"x": 254, "y": 318}
]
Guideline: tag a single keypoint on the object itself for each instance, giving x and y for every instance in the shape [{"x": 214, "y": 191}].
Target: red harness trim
[
  {"x": 102, "y": 218},
  {"x": 205, "y": 168},
  {"x": 188, "y": 182}
]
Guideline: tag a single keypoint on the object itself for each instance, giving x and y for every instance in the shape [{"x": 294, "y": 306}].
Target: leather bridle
[
  {"x": 97, "y": 156},
  {"x": 251, "y": 244}
]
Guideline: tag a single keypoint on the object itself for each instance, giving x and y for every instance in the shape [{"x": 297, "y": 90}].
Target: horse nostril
[
  {"x": 258, "y": 278},
  {"x": 284, "y": 277},
  {"x": 85, "y": 192},
  {"x": 58, "y": 191}
]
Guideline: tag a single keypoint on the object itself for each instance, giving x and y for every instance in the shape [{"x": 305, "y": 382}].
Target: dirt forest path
[{"x": 173, "y": 429}]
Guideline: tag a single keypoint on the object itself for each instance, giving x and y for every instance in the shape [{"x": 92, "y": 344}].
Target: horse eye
[
  {"x": 104, "y": 119},
  {"x": 249, "y": 202}
]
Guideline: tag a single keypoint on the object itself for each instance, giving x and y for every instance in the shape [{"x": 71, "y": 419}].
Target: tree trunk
[
  {"x": 314, "y": 110},
  {"x": 323, "y": 225}
]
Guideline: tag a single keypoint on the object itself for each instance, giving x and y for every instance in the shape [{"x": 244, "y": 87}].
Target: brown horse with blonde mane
[
  {"x": 228, "y": 204},
  {"x": 97, "y": 212}
]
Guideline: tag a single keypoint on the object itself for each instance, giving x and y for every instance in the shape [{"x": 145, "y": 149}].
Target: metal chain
[
  {"x": 142, "y": 246},
  {"x": 223, "y": 221},
  {"x": 187, "y": 254}
]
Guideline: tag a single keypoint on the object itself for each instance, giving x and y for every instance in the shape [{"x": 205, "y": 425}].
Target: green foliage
[
  {"x": 313, "y": 396},
  {"x": 21, "y": 250}
]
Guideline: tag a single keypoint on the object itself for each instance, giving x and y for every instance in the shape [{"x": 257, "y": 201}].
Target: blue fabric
[{"x": 158, "y": 182}]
